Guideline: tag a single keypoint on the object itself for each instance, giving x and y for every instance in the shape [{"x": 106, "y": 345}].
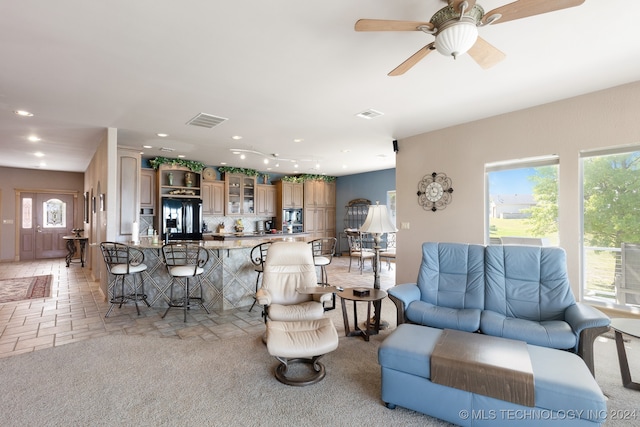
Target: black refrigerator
[{"x": 181, "y": 219}]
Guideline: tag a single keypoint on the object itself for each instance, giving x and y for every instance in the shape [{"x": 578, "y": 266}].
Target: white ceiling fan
[{"x": 455, "y": 28}]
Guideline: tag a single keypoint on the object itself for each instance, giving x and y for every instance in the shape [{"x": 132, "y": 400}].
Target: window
[
  {"x": 611, "y": 226},
  {"x": 54, "y": 214},
  {"x": 27, "y": 212},
  {"x": 391, "y": 206},
  {"x": 522, "y": 201}
]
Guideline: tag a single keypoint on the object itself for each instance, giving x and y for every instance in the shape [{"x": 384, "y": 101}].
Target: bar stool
[
  {"x": 184, "y": 261},
  {"x": 258, "y": 257},
  {"x": 323, "y": 251},
  {"x": 122, "y": 261}
]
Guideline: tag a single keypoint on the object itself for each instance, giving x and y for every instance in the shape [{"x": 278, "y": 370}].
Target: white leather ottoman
[{"x": 303, "y": 341}]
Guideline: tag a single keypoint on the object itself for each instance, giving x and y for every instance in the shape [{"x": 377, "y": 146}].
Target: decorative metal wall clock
[{"x": 434, "y": 191}]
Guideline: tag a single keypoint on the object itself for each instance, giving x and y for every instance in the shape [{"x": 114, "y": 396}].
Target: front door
[{"x": 46, "y": 217}]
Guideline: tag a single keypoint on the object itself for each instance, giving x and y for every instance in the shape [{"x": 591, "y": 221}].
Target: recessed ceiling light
[
  {"x": 266, "y": 161},
  {"x": 277, "y": 165},
  {"x": 295, "y": 166},
  {"x": 223, "y": 163},
  {"x": 42, "y": 164},
  {"x": 162, "y": 135},
  {"x": 242, "y": 156},
  {"x": 235, "y": 152},
  {"x": 33, "y": 138},
  {"x": 181, "y": 156},
  {"x": 23, "y": 113},
  {"x": 236, "y": 137},
  {"x": 38, "y": 154},
  {"x": 147, "y": 146},
  {"x": 298, "y": 140},
  {"x": 346, "y": 150},
  {"x": 344, "y": 166}
]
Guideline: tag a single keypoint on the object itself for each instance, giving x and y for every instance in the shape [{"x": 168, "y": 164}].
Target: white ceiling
[{"x": 278, "y": 70}]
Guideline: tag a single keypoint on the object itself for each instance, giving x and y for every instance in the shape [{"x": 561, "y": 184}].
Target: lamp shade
[
  {"x": 377, "y": 221},
  {"x": 457, "y": 38}
]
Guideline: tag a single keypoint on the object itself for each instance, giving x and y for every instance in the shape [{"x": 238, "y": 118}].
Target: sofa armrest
[
  {"x": 583, "y": 316},
  {"x": 588, "y": 323},
  {"x": 402, "y": 295}
]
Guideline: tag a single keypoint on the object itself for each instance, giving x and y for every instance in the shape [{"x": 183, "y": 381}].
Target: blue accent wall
[{"x": 368, "y": 185}]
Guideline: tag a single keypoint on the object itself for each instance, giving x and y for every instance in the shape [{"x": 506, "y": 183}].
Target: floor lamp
[{"x": 377, "y": 223}]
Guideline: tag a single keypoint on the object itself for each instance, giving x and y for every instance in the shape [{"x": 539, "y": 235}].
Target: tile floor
[{"x": 76, "y": 308}]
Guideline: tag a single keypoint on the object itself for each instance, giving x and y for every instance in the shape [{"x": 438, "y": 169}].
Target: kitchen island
[{"x": 229, "y": 279}]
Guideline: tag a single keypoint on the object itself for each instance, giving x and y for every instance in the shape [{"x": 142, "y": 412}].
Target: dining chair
[
  {"x": 357, "y": 250},
  {"x": 389, "y": 253}
]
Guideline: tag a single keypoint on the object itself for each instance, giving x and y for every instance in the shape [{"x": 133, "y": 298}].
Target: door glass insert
[
  {"x": 54, "y": 214},
  {"x": 27, "y": 212}
]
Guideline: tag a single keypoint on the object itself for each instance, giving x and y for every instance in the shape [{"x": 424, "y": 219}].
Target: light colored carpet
[{"x": 151, "y": 381}]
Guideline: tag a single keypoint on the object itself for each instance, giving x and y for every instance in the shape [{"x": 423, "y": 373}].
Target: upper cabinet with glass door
[{"x": 240, "y": 194}]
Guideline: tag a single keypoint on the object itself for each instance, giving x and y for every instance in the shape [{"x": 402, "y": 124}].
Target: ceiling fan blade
[
  {"x": 387, "y": 25},
  {"x": 525, "y": 8},
  {"x": 412, "y": 60},
  {"x": 485, "y": 54}
]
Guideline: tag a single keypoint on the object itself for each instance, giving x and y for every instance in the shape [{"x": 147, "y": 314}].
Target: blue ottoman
[{"x": 566, "y": 394}]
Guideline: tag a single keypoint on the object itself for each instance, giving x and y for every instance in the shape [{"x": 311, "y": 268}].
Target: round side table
[{"x": 375, "y": 296}]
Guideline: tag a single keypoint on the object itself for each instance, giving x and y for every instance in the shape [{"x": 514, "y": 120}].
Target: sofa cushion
[
  {"x": 408, "y": 349},
  {"x": 462, "y": 319},
  {"x": 527, "y": 282},
  {"x": 452, "y": 275},
  {"x": 550, "y": 333}
]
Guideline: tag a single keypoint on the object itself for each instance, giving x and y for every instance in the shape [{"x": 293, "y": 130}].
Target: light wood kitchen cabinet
[
  {"x": 320, "y": 208},
  {"x": 239, "y": 194},
  {"x": 128, "y": 201},
  {"x": 266, "y": 200},
  {"x": 291, "y": 193},
  {"x": 147, "y": 192},
  {"x": 212, "y": 198}
]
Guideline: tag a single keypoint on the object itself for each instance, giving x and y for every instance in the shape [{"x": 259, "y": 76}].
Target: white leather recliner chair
[{"x": 297, "y": 330}]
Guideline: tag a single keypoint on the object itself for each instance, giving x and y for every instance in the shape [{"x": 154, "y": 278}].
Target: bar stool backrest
[
  {"x": 119, "y": 258},
  {"x": 184, "y": 259}
]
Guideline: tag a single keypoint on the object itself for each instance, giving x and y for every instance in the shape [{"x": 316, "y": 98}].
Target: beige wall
[
  {"x": 603, "y": 119},
  {"x": 12, "y": 179}
]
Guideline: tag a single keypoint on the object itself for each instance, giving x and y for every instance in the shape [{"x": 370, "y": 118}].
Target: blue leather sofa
[{"x": 510, "y": 291}]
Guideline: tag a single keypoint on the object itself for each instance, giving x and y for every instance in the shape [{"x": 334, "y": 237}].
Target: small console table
[{"x": 72, "y": 248}]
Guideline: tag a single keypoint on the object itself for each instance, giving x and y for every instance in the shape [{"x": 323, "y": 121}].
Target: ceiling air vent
[
  {"x": 206, "y": 120},
  {"x": 369, "y": 114}
]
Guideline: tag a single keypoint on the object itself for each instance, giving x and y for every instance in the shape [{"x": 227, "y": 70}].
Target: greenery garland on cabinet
[
  {"x": 244, "y": 171},
  {"x": 309, "y": 177},
  {"x": 189, "y": 164}
]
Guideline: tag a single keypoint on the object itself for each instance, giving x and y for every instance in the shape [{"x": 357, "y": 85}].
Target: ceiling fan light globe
[{"x": 456, "y": 39}]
